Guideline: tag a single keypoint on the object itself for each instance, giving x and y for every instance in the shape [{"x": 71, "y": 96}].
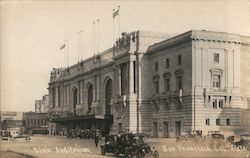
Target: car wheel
[
  {"x": 156, "y": 154},
  {"x": 103, "y": 151}
]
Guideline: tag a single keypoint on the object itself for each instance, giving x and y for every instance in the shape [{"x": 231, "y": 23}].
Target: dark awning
[{"x": 82, "y": 117}]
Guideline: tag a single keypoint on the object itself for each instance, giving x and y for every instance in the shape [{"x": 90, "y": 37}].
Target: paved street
[{"x": 59, "y": 146}]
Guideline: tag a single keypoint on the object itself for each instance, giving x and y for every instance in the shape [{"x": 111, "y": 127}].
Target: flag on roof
[
  {"x": 62, "y": 47},
  {"x": 115, "y": 13}
]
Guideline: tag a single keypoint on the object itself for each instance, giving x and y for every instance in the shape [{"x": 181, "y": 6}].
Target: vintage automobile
[
  {"x": 244, "y": 141},
  {"x": 129, "y": 145},
  {"x": 4, "y": 134},
  {"x": 216, "y": 140},
  {"x": 15, "y": 135},
  {"x": 190, "y": 136}
]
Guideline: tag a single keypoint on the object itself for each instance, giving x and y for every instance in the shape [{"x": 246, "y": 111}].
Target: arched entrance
[
  {"x": 90, "y": 97},
  {"x": 74, "y": 101},
  {"x": 108, "y": 96}
]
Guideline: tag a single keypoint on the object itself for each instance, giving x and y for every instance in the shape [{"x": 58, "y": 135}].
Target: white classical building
[{"x": 156, "y": 83}]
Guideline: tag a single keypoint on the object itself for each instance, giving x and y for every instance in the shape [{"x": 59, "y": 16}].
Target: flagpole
[
  {"x": 68, "y": 53},
  {"x": 98, "y": 36},
  {"x": 81, "y": 43},
  {"x": 94, "y": 37},
  {"x": 78, "y": 46},
  {"x": 65, "y": 54},
  {"x": 118, "y": 21},
  {"x": 113, "y": 28}
]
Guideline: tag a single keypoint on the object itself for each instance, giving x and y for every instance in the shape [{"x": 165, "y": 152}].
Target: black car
[
  {"x": 194, "y": 135},
  {"x": 244, "y": 142},
  {"x": 128, "y": 145}
]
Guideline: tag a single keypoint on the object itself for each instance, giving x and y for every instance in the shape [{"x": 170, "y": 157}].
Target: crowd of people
[{"x": 83, "y": 134}]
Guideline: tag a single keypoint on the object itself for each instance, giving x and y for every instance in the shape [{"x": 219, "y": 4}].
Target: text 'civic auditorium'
[{"x": 156, "y": 83}]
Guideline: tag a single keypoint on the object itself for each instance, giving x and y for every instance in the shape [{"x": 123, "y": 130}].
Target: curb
[{"x": 24, "y": 154}]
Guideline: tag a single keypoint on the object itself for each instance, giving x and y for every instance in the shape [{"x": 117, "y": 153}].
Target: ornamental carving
[{"x": 167, "y": 75}]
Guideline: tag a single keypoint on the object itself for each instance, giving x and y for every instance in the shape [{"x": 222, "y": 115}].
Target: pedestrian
[{"x": 96, "y": 140}]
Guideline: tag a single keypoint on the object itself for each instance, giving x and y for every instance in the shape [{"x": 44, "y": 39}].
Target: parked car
[
  {"x": 190, "y": 136},
  {"x": 129, "y": 145},
  {"x": 5, "y": 135},
  {"x": 244, "y": 142},
  {"x": 16, "y": 135},
  {"x": 216, "y": 140}
]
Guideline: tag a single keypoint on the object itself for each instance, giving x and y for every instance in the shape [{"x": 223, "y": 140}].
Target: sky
[{"x": 32, "y": 32}]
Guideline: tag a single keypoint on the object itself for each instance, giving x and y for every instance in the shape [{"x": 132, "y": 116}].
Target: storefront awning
[{"x": 82, "y": 117}]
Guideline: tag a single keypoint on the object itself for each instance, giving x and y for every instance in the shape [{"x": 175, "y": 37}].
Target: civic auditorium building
[{"x": 156, "y": 83}]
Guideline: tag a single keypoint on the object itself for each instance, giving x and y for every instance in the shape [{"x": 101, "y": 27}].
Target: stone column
[
  {"x": 131, "y": 77},
  {"x": 56, "y": 97}
]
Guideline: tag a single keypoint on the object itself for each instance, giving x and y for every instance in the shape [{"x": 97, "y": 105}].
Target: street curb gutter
[{"x": 24, "y": 154}]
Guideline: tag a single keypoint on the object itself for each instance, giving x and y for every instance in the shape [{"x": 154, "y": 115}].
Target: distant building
[
  {"x": 12, "y": 121},
  {"x": 41, "y": 106},
  {"x": 156, "y": 83},
  {"x": 36, "y": 122}
]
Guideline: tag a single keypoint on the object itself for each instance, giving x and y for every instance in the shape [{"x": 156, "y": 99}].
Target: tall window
[
  {"x": 208, "y": 122},
  {"x": 124, "y": 78},
  {"x": 167, "y": 63},
  {"x": 59, "y": 96},
  {"x": 179, "y": 60},
  {"x": 74, "y": 101},
  {"x": 228, "y": 122},
  {"x": 90, "y": 97},
  {"x": 179, "y": 82},
  {"x": 215, "y": 104},
  {"x": 221, "y": 104},
  {"x": 216, "y": 58},
  {"x": 108, "y": 96},
  {"x": 167, "y": 82},
  {"x": 53, "y": 97},
  {"x": 156, "y": 66},
  {"x": 156, "y": 86},
  {"x": 217, "y": 121},
  {"x": 216, "y": 81}
]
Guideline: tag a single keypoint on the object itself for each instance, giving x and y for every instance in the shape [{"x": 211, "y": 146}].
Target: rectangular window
[
  {"x": 216, "y": 57},
  {"x": 215, "y": 104},
  {"x": 156, "y": 66},
  {"x": 228, "y": 122},
  {"x": 156, "y": 86},
  {"x": 167, "y": 63},
  {"x": 167, "y": 85},
  {"x": 208, "y": 122},
  {"x": 179, "y": 82},
  {"x": 216, "y": 81},
  {"x": 221, "y": 104},
  {"x": 179, "y": 60},
  {"x": 217, "y": 121}
]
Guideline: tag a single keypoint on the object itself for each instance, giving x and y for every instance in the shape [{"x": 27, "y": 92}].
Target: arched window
[
  {"x": 90, "y": 97},
  {"x": 108, "y": 96},
  {"x": 75, "y": 100}
]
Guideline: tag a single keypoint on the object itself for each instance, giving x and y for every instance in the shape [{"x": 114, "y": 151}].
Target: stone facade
[
  {"x": 159, "y": 84},
  {"x": 42, "y": 106}
]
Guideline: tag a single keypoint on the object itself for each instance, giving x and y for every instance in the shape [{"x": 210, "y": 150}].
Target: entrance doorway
[
  {"x": 108, "y": 96},
  {"x": 155, "y": 129},
  {"x": 74, "y": 101},
  {"x": 177, "y": 128},
  {"x": 165, "y": 129},
  {"x": 90, "y": 97}
]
